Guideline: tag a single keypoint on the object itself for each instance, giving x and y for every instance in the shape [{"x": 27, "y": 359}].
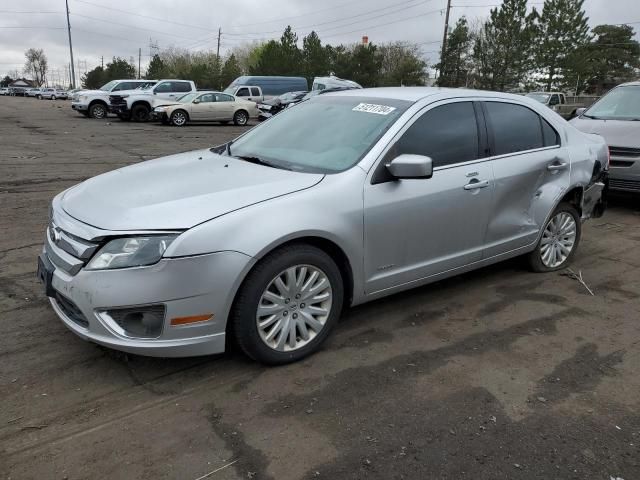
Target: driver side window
[{"x": 207, "y": 98}]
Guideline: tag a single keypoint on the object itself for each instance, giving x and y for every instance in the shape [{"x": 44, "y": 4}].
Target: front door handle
[
  {"x": 474, "y": 185},
  {"x": 554, "y": 167}
]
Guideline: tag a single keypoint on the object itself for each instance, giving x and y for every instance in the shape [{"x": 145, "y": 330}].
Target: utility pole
[
  {"x": 73, "y": 72},
  {"x": 444, "y": 37},
  {"x": 139, "y": 57},
  {"x": 218, "y": 50},
  {"x": 102, "y": 62}
]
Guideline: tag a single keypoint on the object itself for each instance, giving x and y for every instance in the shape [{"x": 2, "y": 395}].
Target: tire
[
  {"x": 179, "y": 118},
  {"x": 53, "y": 97},
  {"x": 39, "y": 97},
  {"x": 140, "y": 113},
  {"x": 551, "y": 252},
  {"x": 98, "y": 110},
  {"x": 241, "y": 118},
  {"x": 259, "y": 287}
]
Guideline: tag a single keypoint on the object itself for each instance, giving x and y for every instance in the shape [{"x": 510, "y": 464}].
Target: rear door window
[
  {"x": 255, "y": 92},
  {"x": 181, "y": 87},
  {"x": 515, "y": 128},
  {"x": 243, "y": 92}
]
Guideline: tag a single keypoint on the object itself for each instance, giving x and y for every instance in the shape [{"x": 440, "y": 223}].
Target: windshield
[
  {"x": 541, "y": 97},
  {"x": 621, "y": 103},
  {"x": 187, "y": 98},
  {"x": 326, "y": 134},
  {"x": 108, "y": 86}
]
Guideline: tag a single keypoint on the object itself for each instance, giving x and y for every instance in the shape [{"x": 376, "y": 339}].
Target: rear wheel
[
  {"x": 288, "y": 305},
  {"x": 179, "y": 118},
  {"x": 559, "y": 240},
  {"x": 53, "y": 97},
  {"x": 241, "y": 118},
  {"x": 140, "y": 113},
  {"x": 98, "y": 110}
]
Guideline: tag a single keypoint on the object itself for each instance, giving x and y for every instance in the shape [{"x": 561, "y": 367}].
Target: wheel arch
[
  {"x": 141, "y": 102},
  {"x": 97, "y": 100},
  {"x": 180, "y": 110},
  {"x": 573, "y": 196},
  {"x": 328, "y": 246}
]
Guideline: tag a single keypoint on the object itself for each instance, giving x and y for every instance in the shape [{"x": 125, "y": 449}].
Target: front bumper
[
  {"x": 624, "y": 174},
  {"x": 81, "y": 107},
  {"x": 190, "y": 286}
]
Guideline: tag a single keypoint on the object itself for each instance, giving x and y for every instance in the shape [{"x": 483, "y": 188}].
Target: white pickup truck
[
  {"x": 137, "y": 105},
  {"x": 245, "y": 92},
  {"x": 95, "y": 103}
]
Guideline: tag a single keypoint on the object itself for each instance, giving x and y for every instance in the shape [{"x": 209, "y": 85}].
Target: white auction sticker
[{"x": 373, "y": 108}]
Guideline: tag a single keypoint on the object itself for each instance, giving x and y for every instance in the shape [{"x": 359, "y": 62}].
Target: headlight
[
  {"x": 131, "y": 252},
  {"x": 159, "y": 109},
  {"x": 83, "y": 98}
]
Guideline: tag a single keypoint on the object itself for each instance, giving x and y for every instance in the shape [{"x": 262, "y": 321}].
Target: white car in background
[
  {"x": 32, "y": 92},
  {"x": 53, "y": 94},
  {"x": 4, "y": 91}
]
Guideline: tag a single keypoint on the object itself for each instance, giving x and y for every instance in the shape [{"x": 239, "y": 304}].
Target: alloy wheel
[
  {"x": 241, "y": 118},
  {"x": 179, "y": 119},
  {"x": 558, "y": 240},
  {"x": 294, "y": 308}
]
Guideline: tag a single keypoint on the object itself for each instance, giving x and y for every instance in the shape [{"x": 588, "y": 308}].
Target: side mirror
[
  {"x": 196, "y": 101},
  {"x": 411, "y": 166},
  {"x": 580, "y": 111}
]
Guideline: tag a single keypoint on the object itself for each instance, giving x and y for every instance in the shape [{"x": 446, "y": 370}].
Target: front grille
[
  {"x": 66, "y": 251},
  {"x": 621, "y": 163},
  {"x": 629, "y": 185},
  {"x": 624, "y": 152},
  {"x": 71, "y": 311}
]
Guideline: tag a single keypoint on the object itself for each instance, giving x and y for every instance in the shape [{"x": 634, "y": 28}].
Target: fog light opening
[{"x": 141, "y": 322}]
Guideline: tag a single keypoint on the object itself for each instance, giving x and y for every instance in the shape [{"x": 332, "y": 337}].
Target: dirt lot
[{"x": 497, "y": 374}]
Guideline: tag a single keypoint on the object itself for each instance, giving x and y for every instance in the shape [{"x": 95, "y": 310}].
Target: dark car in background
[
  {"x": 616, "y": 117},
  {"x": 269, "y": 108}
]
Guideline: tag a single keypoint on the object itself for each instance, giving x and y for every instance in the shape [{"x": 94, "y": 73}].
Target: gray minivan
[{"x": 271, "y": 86}]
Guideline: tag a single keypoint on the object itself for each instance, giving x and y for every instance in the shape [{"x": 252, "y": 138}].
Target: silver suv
[
  {"x": 342, "y": 199},
  {"x": 616, "y": 117}
]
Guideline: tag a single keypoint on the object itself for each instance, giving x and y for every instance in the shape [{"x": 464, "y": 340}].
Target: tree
[
  {"x": 6, "y": 81},
  {"x": 562, "y": 29},
  {"x": 36, "y": 65},
  {"x": 315, "y": 57},
  {"x": 612, "y": 57},
  {"x": 156, "y": 69},
  {"x": 94, "y": 79},
  {"x": 503, "y": 47},
  {"x": 230, "y": 70},
  {"x": 248, "y": 55},
  {"x": 455, "y": 65},
  {"x": 118, "y": 69},
  {"x": 401, "y": 64},
  {"x": 270, "y": 61},
  {"x": 291, "y": 55},
  {"x": 366, "y": 65}
]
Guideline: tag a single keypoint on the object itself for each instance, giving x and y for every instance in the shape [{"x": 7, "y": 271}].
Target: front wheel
[
  {"x": 241, "y": 118},
  {"x": 53, "y": 97},
  {"x": 179, "y": 118},
  {"x": 288, "y": 305},
  {"x": 98, "y": 110},
  {"x": 559, "y": 240},
  {"x": 140, "y": 113}
]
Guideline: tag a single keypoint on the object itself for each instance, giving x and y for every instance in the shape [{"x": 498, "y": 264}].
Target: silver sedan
[{"x": 340, "y": 200}]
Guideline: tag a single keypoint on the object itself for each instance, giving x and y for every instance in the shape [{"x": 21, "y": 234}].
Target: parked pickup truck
[
  {"x": 564, "y": 105},
  {"x": 95, "y": 103},
  {"x": 137, "y": 105},
  {"x": 251, "y": 93}
]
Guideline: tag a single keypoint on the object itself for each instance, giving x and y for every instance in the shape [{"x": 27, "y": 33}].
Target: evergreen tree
[
  {"x": 315, "y": 57},
  {"x": 118, "y": 69},
  {"x": 562, "y": 29},
  {"x": 94, "y": 79},
  {"x": 156, "y": 69},
  {"x": 502, "y": 51},
  {"x": 230, "y": 71},
  {"x": 455, "y": 65},
  {"x": 366, "y": 65}
]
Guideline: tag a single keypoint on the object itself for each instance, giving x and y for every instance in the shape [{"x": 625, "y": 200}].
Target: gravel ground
[{"x": 495, "y": 374}]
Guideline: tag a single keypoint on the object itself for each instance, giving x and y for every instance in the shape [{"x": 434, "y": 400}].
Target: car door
[
  {"x": 203, "y": 107},
  {"x": 226, "y": 106},
  {"x": 531, "y": 170},
  {"x": 243, "y": 93},
  {"x": 417, "y": 228}
]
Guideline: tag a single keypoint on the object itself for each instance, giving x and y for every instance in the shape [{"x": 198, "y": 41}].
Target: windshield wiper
[{"x": 592, "y": 117}]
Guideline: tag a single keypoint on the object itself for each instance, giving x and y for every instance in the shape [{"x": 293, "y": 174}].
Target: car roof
[
  {"x": 636, "y": 83},
  {"x": 415, "y": 94}
]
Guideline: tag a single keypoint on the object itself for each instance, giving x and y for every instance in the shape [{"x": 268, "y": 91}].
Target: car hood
[
  {"x": 617, "y": 133},
  {"x": 178, "y": 192}
]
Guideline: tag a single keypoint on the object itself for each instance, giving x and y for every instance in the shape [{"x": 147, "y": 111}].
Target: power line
[
  {"x": 30, "y": 12},
  {"x": 34, "y": 27},
  {"x": 130, "y": 26}
]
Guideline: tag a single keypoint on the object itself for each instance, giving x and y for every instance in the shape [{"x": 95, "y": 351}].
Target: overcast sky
[{"x": 120, "y": 27}]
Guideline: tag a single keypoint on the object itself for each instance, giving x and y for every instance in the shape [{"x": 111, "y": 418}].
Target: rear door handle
[
  {"x": 554, "y": 167},
  {"x": 477, "y": 184}
]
